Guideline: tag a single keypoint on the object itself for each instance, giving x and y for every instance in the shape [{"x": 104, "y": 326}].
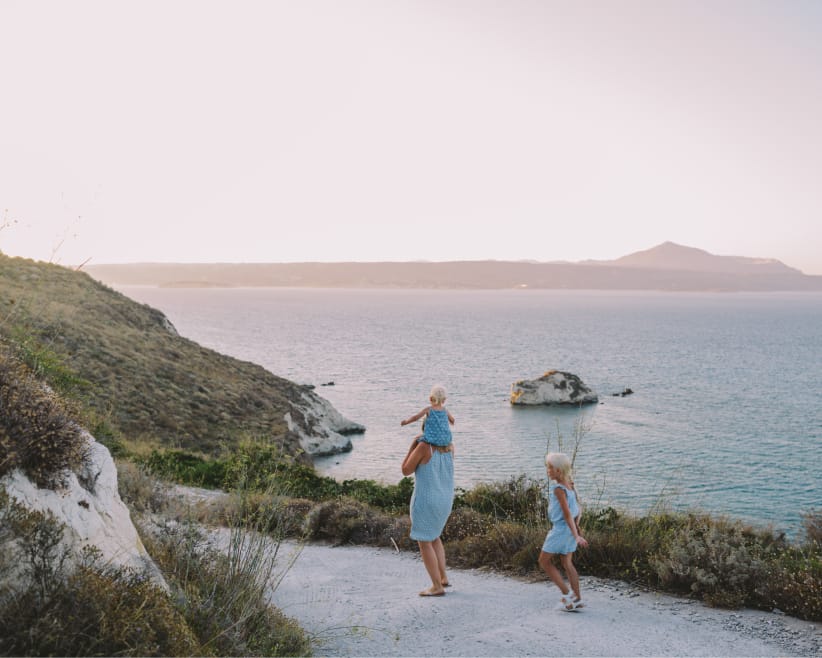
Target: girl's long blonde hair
[{"x": 561, "y": 462}]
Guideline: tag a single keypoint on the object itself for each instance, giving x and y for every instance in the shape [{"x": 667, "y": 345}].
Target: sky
[{"x": 397, "y": 130}]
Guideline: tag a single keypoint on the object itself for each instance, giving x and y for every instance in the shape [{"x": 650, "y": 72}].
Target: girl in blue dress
[{"x": 564, "y": 536}]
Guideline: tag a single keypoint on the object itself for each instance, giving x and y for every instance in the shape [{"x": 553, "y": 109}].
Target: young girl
[
  {"x": 563, "y": 538},
  {"x": 435, "y": 429}
]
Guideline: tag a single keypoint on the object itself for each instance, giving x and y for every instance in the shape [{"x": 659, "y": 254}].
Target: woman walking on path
[{"x": 433, "y": 469}]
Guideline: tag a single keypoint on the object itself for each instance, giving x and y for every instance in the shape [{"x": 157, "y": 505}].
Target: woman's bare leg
[
  {"x": 571, "y": 572},
  {"x": 429, "y": 559},
  {"x": 439, "y": 550}
]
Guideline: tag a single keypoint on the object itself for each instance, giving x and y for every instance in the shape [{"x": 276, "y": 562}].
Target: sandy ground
[{"x": 357, "y": 601}]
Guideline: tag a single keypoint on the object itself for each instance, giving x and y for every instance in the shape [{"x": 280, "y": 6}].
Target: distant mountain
[
  {"x": 671, "y": 256},
  {"x": 665, "y": 267}
]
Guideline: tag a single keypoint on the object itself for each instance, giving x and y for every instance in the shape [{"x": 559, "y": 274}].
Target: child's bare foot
[{"x": 432, "y": 591}]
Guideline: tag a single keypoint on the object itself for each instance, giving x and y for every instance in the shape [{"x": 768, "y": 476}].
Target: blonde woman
[
  {"x": 564, "y": 537},
  {"x": 431, "y": 502}
]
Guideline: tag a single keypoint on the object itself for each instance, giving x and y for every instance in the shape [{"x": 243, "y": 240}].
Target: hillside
[
  {"x": 668, "y": 267},
  {"x": 139, "y": 378}
]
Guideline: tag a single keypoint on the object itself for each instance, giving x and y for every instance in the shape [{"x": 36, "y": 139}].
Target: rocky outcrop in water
[
  {"x": 554, "y": 387},
  {"x": 322, "y": 430}
]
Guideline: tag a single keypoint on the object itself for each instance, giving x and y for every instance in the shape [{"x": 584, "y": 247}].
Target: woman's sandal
[
  {"x": 567, "y": 603},
  {"x": 578, "y": 603}
]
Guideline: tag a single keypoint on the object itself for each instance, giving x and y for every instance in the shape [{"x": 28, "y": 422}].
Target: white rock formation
[
  {"x": 323, "y": 429},
  {"x": 91, "y": 509},
  {"x": 554, "y": 387}
]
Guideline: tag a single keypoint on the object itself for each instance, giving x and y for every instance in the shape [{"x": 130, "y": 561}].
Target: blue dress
[
  {"x": 436, "y": 430},
  {"x": 560, "y": 539},
  {"x": 433, "y": 496}
]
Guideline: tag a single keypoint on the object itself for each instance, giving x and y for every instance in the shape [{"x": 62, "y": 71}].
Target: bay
[{"x": 725, "y": 416}]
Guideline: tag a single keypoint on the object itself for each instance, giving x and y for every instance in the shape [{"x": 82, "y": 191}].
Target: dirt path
[{"x": 359, "y": 601}]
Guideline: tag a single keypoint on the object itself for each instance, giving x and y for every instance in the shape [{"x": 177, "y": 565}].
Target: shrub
[
  {"x": 506, "y": 546},
  {"x": 466, "y": 522},
  {"x": 92, "y": 610},
  {"x": 812, "y": 526},
  {"x": 223, "y": 592},
  {"x": 520, "y": 499},
  {"x": 349, "y": 521},
  {"x": 37, "y": 433},
  {"x": 794, "y": 583},
  {"x": 721, "y": 561},
  {"x": 620, "y": 545},
  {"x": 186, "y": 468},
  {"x": 140, "y": 491}
]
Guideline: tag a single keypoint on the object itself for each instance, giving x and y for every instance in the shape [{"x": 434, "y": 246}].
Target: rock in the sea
[
  {"x": 321, "y": 428},
  {"x": 554, "y": 387}
]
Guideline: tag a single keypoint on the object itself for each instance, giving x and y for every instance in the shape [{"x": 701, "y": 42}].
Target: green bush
[
  {"x": 812, "y": 526},
  {"x": 519, "y": 499},
  {"x": 350, "y": 521},
  {"x": 186, "y": 468},
  {"x": 721, "y": 561},
  {"x": 37, "y": 433},
  {"x": 262, "y": 466}
]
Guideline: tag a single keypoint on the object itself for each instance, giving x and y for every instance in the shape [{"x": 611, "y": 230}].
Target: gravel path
[{"x": 358, "y": 601}]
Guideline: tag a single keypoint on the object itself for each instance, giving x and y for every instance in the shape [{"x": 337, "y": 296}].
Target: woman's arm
[{"x": 414, "y": 418}]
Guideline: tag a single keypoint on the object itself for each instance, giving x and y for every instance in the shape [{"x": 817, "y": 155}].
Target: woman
[{"x": 433, "y": 469}]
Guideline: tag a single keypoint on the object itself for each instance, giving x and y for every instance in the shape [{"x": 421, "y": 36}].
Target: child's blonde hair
[
  {"x": 437, "y": 395},
  {"x": 560, "y": 461}
]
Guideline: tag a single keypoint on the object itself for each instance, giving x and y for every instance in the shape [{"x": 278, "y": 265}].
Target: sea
[{"x": 725, "y": 415}]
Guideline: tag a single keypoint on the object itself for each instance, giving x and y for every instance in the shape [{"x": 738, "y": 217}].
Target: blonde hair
[
  {"x": 437, "y": 395},
  {"x": 559, "y": 461}
]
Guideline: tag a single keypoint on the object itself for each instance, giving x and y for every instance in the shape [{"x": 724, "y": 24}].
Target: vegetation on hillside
[
  {"x": 58, "y": 603},
  {"x": 134, "y": 376}
]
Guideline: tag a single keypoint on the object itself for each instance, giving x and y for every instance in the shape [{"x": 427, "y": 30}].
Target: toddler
[{"x": 435, "y": 426}]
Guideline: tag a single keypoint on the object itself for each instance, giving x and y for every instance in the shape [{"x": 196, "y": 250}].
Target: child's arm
[
  {"x": 562, "y": 498},
  {"x": 450, "y": 417},
  {"x": 414, "y": 418}
]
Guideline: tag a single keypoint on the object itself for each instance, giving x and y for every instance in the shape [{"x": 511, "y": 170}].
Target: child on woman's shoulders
[{"x": 435, "y": 426}]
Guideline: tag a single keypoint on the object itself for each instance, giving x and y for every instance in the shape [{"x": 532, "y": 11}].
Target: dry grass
[
  {"x": 37, "y": 433},
  {"x": 139, "y": 379}
]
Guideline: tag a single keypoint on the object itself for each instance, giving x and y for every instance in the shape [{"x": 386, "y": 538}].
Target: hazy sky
[{"x": 330, "y": 130}]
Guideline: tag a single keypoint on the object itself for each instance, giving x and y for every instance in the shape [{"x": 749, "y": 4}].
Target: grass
[{"x": 133, "y": 376}]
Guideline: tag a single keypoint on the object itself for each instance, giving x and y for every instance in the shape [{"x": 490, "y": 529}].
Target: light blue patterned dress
[
  {"x": 433, "y": 496},
  {"x": 560, "y": 539},
  {"x": 436, "y": 431}
]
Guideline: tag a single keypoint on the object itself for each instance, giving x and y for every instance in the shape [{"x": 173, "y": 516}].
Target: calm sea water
[{"x": 725, "y": 415}]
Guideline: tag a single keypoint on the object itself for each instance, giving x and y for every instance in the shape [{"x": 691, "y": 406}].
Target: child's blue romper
[{"x": 436, "y": 431}]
